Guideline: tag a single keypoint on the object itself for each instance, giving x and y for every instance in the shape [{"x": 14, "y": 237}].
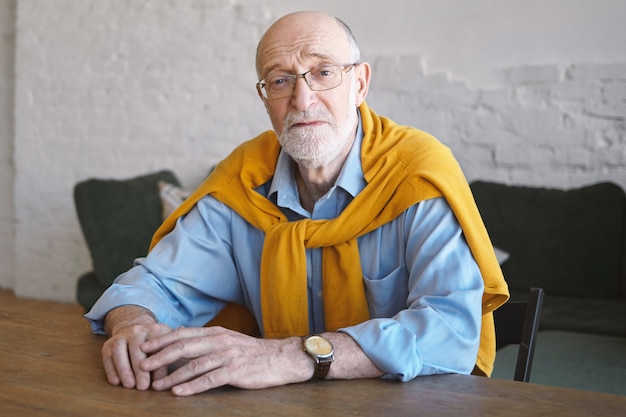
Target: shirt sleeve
[
  {"x": 188, "y": 276},
  {"x": 438, "y": 328}
]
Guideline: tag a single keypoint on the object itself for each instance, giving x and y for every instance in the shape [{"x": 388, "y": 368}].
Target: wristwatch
[{"x": 321, "y": 350}]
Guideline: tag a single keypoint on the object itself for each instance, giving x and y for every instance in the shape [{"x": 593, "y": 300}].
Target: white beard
[{"x": 315, "y": 147}]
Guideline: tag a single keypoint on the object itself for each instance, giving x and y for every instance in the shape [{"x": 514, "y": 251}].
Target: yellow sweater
[{"x": 402, "y": 166}]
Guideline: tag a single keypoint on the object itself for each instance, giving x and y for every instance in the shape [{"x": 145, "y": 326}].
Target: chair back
[{"x": 518, "y": 323}]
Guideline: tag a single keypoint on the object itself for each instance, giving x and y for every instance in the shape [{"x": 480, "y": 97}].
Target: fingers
[
  {"x": 160, "y": 373},
  {"x": 204, "y": 382},
  {"x": 109, "y": 366},
  {"x": 203, "y": 369},
  {"x": 182, "y": 343},
  {"x": 117, "y": 364},
  {"x": 122, "y": 356},
  {"x": 198, "y": 375},
  {"x": 158, "y": 343},
  {"x": 141, "y": 377}
]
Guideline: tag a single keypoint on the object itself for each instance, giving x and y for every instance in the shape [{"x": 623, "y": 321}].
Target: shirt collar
[{"x": 284, "y": 190}]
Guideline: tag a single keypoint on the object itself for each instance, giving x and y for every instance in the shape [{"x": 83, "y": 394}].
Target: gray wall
[{"x": 7, "y": 83}]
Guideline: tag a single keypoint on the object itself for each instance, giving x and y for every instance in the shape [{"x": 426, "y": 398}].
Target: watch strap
[{"x": 322, "y": 366}]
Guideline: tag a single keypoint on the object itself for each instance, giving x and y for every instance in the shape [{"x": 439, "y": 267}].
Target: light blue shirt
[{"x": 423, "y": 287}]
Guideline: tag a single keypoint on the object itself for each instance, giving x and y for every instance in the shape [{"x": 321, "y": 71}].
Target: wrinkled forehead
[{"x": 294, "y": 43}]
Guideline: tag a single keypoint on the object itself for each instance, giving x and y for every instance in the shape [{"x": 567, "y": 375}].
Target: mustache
[{"x": 294, "y": 118}]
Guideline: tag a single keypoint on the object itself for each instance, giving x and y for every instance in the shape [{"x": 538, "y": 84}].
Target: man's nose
[{"x": 302, "y": 95}]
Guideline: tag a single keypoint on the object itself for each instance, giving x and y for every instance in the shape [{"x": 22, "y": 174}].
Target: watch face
[{"x": 318, "y": 346}]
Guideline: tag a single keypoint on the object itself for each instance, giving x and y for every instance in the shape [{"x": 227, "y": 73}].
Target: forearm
[
  {"x": 125, "y": 316},
  {"x": 350, "y": 360},
  {"x": 402, "y": 353}
]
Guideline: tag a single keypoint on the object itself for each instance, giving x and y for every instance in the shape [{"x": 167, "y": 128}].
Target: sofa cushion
[
  {"x": 579, "y": 314},
  {"x": 118, "y": 219},
  {"x": 569, "y": 242},
  {"x": 171, "y": 197},
  {"x": 587, "y": 315}
]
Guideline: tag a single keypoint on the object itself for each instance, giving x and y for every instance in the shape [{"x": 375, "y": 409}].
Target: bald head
[{"x": 303, "y": 35}]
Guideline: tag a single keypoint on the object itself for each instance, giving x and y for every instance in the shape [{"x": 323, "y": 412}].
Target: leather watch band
[{"x": 322, "y": 366}]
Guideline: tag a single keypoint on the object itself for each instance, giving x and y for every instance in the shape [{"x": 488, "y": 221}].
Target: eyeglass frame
[{"x": 343, "y": 69}]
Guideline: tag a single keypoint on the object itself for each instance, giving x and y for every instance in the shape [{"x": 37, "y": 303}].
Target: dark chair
[{"x": 517, "y": 323}]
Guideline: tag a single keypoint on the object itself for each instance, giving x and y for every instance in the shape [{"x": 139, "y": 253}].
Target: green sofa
[
  {"x": 572, "y": 244},
  {"x": 118, "y": 219}
]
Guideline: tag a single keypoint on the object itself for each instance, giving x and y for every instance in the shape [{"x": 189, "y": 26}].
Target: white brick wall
[
  {"x": 114, "y": 91},
  {"x": 551, "y": 125},
  {"x": 120, "y": 88}
]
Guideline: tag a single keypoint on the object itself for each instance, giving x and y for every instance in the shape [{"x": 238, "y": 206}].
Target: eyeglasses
[{"x": 322, "y": 78}]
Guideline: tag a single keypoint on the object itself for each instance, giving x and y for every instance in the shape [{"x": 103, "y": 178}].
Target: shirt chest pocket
[{"x": 386, "y": 296}]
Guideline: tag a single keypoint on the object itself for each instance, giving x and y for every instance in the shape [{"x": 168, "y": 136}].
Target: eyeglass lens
[{"x": 318, "y": 79}]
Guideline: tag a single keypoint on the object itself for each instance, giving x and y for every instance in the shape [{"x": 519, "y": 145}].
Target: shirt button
[{"x": 319, "y": 294}]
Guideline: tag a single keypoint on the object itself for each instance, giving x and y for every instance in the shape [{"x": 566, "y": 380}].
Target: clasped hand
[{"x": 193, "y": 360}]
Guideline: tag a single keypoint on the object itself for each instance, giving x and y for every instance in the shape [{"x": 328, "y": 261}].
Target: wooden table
[{"x": 50, "y": 366}]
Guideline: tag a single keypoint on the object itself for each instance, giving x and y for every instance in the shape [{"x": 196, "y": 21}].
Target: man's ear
[
  {"x": 258, "y": 91},
  {"x": 363, "y": 73}
]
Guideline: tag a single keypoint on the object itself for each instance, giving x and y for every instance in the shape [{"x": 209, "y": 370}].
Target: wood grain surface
[{"x": 50, "y": 366}]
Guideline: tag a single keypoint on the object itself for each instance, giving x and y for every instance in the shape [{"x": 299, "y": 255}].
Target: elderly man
[{"x": 354, "y": 243}]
